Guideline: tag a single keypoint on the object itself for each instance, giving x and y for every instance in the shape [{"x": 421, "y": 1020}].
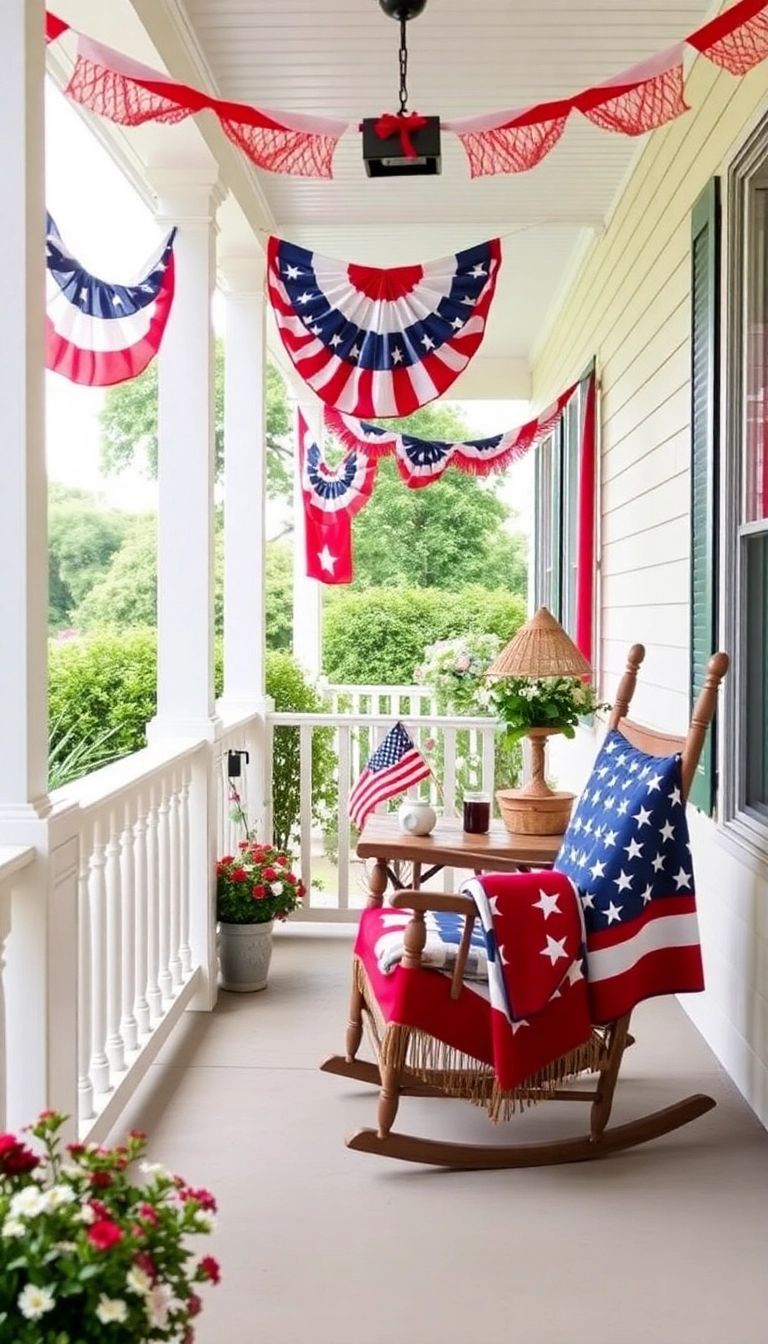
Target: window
[
  {"x": 745, "y": 469},
  {"x": 557, "y": 504},
  {"x": 705, "y": 328}
]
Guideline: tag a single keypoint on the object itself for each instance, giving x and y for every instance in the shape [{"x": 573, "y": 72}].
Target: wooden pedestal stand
[{"x": 535, "y": 809}]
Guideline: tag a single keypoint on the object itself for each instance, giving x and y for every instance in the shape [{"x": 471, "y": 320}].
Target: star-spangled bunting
[
  {"x": 394, "y": 766},
  {"x": 632, "y": 102},
  {"x": 331, "y": 496},
  {"x": 380, "y": 342},
  {"x": 422, "y": 461},
  {"x": 627, "y": 851},
  {"x": 99, "y": 333}
]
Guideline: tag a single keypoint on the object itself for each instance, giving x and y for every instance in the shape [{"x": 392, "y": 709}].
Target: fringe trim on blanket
[{"x": 461, "y": 1075}]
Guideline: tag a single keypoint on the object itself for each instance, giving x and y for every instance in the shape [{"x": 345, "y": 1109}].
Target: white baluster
[
  {"x": 114, "y": 1042},
  {"x": 99, "y": 1066},
  {"x": 128, "y": 1024},
  {"x": 185, "y": 950},
  {"x": 174, "y": 959},
  {"x": 164, "y": 894},
  {"x": 154, "y": 997},
  {"x": 141, "y": 887},
  {"x": 84, "y": 1003}
]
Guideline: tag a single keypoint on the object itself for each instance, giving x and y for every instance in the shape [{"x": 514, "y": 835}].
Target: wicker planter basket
[{"x": 523, "y": 814}]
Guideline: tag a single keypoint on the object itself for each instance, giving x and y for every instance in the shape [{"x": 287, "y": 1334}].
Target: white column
[
  {"x": 23, "y": 497},
  {"x": 244, "y": 480},
  {"x": 187, "y": 198},
  {"x": 307, "y": 593},
  {"x": 39, "y": 988}
]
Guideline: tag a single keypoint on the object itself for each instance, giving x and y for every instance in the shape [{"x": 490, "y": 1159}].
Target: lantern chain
[{"x": 403, "y": 57}]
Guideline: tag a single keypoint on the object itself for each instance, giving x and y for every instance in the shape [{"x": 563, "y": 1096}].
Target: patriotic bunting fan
[
  {"x": 422, "y": 461},
  {"x": 332, "y": 496},
  {"x": 377, "y": 342},
  {"x": 98, "y": 333}
]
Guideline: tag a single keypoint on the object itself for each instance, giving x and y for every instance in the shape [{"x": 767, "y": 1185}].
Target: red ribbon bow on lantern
[{"x": 400, "y": 123}]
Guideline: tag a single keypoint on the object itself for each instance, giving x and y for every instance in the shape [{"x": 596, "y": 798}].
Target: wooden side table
[{"x": 448, "y": 846}]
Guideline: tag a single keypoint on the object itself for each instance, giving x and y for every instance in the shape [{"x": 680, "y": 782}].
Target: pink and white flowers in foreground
[{"x": 92, "y": 1250}]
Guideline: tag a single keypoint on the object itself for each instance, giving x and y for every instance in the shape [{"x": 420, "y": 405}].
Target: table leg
[{"x": 378, "y": 885}]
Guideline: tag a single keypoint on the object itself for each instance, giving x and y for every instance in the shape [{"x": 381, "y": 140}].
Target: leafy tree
[
  {"x": 446, "y": 535},
  {"x": 126, "y": 596},
  {"x": 82, "y": 539},
  {"x": 129, "y": 424},
  {"x": 279, "y": 596}
]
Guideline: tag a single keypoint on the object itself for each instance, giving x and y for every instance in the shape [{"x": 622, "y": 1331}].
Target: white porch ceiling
[{"x": 339, "y": 57}]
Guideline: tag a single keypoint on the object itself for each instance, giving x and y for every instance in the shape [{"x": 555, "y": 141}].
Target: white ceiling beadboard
[{"x": 339, "y": 57}]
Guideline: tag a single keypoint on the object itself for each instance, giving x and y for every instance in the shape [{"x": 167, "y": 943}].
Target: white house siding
[{"x": 629, "y": 306}]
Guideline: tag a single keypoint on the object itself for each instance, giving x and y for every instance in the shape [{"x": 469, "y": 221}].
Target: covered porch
[{"x": 110, "y": 1009}]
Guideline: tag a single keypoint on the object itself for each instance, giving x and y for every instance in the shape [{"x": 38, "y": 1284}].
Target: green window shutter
[{"x": 705, "y": 325}]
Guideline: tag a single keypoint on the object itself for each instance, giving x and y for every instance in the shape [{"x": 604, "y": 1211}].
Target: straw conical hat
[{"x": 541, "y": 648}]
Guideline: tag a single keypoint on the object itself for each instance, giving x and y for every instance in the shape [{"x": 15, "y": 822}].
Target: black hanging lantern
[{"x": 402, "y": 144}]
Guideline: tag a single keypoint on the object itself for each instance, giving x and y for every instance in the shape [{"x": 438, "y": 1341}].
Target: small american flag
[
  {"x": 393, "y": 768},
  {"x": 627, "y": 851}
]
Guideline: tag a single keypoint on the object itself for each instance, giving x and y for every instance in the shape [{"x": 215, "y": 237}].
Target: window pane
[
  {"x": 756, "y": 565},
  {"x": 756, "y": 361}
]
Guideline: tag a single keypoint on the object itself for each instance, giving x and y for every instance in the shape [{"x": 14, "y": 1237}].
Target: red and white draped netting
[{"x": 633, "y": 102}]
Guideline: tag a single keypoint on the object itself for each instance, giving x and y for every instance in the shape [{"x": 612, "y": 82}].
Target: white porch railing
[
  {"x": 336, "y": 884},
  {"x": 107, "y": 932},
  {"x": 135, "y": 967}
]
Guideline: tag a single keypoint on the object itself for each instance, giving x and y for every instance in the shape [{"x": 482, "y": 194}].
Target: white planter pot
[{"x": 245, "y": 951}]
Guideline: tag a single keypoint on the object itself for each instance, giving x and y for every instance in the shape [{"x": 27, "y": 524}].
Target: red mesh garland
[
  {"x": 510, "y": 149},
  {"x": 298, "y": 153},
  {"x": 739, "y": 51},
  {"x": 639, "y": 108},
  {"x": 119, "y": 98}
]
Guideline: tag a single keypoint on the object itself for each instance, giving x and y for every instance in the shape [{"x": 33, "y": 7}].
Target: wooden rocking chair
[{"x": 395, "y": 1073}]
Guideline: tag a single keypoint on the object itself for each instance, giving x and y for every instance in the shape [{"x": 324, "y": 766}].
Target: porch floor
[{"x": 320, "y": 1245}]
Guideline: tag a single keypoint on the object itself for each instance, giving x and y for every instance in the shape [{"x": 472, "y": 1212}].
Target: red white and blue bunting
[
  {"x": 332, "y": 496},
  {"x": 633, "y": 102},
  {"x": 381, "y": 342},
  {"x": 422, "y": 461},
  {"x": 97, "y": 333}
]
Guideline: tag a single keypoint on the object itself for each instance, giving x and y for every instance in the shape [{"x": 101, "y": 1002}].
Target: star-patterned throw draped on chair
[
  {"x": 98, "y": 333},
  {"x": 627, "y": 851}
]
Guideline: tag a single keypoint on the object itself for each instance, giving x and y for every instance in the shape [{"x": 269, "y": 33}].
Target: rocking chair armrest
[
  {"x": 415, "y": 935},
  {"x": 433, "y": 900}
]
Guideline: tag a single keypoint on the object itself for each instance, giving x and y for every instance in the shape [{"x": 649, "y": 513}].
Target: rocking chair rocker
[{"x": 403, "y": 1068}]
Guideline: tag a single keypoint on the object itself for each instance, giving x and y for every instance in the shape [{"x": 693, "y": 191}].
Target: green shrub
[
  {"x": 378, "y": 636},
  {"x": 103, "y": 692},
  {"x": 290, "y": 690}
]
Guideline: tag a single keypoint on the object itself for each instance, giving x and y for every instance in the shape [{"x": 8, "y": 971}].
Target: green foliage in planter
[{"x": 378, "y": 636}]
